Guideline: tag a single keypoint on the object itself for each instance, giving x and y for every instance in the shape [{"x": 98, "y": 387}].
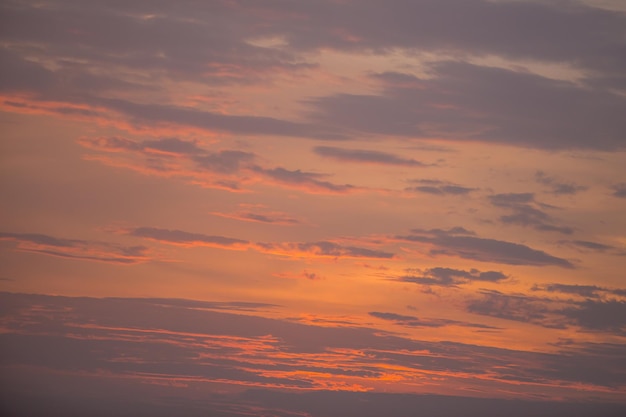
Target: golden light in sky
[{"x": 313, "y": 208}]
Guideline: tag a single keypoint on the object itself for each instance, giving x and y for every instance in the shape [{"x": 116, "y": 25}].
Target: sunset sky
[{"x": 313, "y": 208}]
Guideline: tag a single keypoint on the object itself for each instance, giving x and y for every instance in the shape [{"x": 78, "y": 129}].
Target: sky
[{"x": 302, "y": 208}]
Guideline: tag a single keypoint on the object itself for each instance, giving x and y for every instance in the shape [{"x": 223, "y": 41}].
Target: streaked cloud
[
  {"x": 412, "y": 321},
  {"x": 323, "y": 249},
  {"x": 525, "y": 212},
  {"x": 590, "y": 314},
  {"x": 450, "y": 277},
  {"x": 464, "y": 244},
  {"x": 77, "y": 248},
  {"x": 438, "y": 187},
  {"x": 365, "y": 156},
  {"x": 619, "y": 190},
  {"x": 556, "y": 186}
]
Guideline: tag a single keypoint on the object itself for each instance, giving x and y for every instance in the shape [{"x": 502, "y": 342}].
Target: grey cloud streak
[
  {"x": 437, "y": 187},
  {"x": 449, "y": 277},
  {"x": 230, "y": 165},
  {"x": 525, "y": 211},
  {"x": 178, "y": 340},
  {"x": 460, "y": 101},
  {"x": 365, "y": 156},
  {"x": 462, "y": 243},
  {"x": 592, "y": 314},
  {"x": 88, "y": 250},
  {"x": 289, "y": 249},
  {"x": 556, "y": 186},
  {"x": 412, "y": 321},
  {"x": 465, "y": 102}
]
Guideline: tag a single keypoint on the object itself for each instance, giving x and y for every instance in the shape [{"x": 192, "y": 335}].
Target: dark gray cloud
[
  {"x": 134, "y": 341},
  {"x": 180, "y": 237},
  {"x": 224, "y": 162},
  {"x": 201, "y": 43},
  {"x": 261, "y": 217},
  {"x": 214, "y": 45},
  {"x": 619, "y": 190},
  {"x": 365, "y": 156},
  {"x": 470, "y": 102},
  {"x": 198, "y": 304},
  {"x": 450, "y": 277},
  {"x": 437, "y": 187},
  {"x": 517, "y": 307},
  {"x": 585, "y": 244},
  {"x": 152, "y": 114},
  {"x": 462, "y": 243},
  {"x": 89, "y": 250},
  {"x": 291, "y": 249},
  {"x": 323, "y": 248},
  {"x": 599, "y": 315},
  {"x": 587, "y": 291},
  {"x": 306, "y": 180},
  {"x": 525, "y": 212},
  {"x": 592, "y": 314},
  {"x": 412, "y": 321},
  {"x": 558, "y": 187}
]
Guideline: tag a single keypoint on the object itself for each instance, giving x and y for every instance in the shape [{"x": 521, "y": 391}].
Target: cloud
[
  {"x": 77, "y": 249},
  {"x": 311, "y": 276},
  {"x": 465, "y": 102},
  {"x": 517, "y": 307},
  {"x": 437, "y": 187},
  {"x": 231, "y": 168},
  {"x": 449, "y": 277},
  {"x": 179, "y": 237},
  {"x": 173, "y": 157},
  {"x": 597, "y": 315},
  {"x": 199, "y": 304},
  {"x": 587, "y": 291},
  {"x": 462, "y": 243},
  {"x": 412, "y": 321},
  {"x": 321, "y": 249},
  {"x": 309, "y": 181},
  {"x": 278, "y": 218},
  {"x": 525, "y": 212},
  {"x": 619, "y": 190},
  {"x": 365, "y": 156},
  {"x": 590, "y": 315},
  {"x": 218, "y": 45},
  {"x": 558, "y": 187},
  {"x": 585, "y": 244},
  {"x": 324, "y": 249},
  {"x": 80, "y": 343}
]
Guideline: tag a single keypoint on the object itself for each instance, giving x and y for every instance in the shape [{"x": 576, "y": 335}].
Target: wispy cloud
[
  {"x": 464, "y": 244},
  {"x": 412, "y": 321},
  {"x": 587, "y": 291},
  {"x": 525, "y": 212},
  {"x": 438, "y": 187},
  {"x": 77, "y": 249},
  {"x": 365, "y": 156},
  {"x": 591, "y": 314},
  {"x": 261, "y": 216},
  {"x": 558, "y": 187},
  {"x": 310, "y": 181},
  {"x": 449, "y": 277},
  {"x": 224, "y": 169},
  {"x": 319, "y": 249},
  {"x": 619, "y": 190}
]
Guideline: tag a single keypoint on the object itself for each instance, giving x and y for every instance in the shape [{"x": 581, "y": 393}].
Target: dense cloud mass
[
  {"x": 312, "y": 208},
  {"x": 459, "y": 242}
]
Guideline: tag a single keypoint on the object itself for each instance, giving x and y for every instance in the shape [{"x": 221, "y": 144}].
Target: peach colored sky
[{"x": 421, "y": 197}]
